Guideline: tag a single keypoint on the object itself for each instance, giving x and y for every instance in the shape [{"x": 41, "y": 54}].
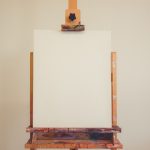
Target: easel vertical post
[
  {"x": 31, "y": 89},
  {"x": 114, "y": 91},
  {"x": 72, "y": 9},
  {"x": 72, "y": 18},
  {"x": 31, "y": 94},
  {"x": 72, "y": 4},
  {"x": 114, "y": 87}
]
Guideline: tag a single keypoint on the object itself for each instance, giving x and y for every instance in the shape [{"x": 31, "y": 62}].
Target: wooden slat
[
  {"x": 115, "y": 129},
  {"x": 31, "y": 89},
  {"x": 114, "y": 92},
  {"x": 114, "y": 88},
  {"x": 31, "y": 94}
]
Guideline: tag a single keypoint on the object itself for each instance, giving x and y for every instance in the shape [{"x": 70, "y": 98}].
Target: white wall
[
  {"x": 15, "y": 41},
  {"x": 129, "y": 21}
]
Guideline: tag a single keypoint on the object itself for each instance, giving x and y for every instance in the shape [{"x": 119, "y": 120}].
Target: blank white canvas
[{"x": 72, "y": 79}]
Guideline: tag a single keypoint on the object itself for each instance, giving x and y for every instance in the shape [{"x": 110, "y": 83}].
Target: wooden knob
[{"x": 72, "y": 16}]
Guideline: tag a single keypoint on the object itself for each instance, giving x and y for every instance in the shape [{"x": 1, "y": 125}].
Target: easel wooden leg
[
  {"x": 31, "y": 95},
  {"x": 73, "y": 148},
  {"x": 114, "y": 92}
]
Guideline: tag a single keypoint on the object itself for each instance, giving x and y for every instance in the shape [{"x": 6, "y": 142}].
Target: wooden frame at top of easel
[{"x": 114, "y": 130}]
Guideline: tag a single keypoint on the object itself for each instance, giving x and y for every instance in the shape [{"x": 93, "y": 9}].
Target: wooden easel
[{"x": 100, "y": 137}]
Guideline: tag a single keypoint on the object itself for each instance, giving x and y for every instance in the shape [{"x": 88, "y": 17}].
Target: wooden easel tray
[
  {"x": 73, "y": 144},
  {"x": 73, "y": 138}
]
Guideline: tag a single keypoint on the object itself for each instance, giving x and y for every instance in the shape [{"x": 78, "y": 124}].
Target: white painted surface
[{"x": 72, "y": 79}]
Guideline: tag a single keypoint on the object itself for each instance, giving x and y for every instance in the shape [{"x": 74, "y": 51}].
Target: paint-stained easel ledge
[
  {"x": 114, "y": 129},
  {"x": 76, "y": 28},
  {"x": 74, "y": 144}
]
